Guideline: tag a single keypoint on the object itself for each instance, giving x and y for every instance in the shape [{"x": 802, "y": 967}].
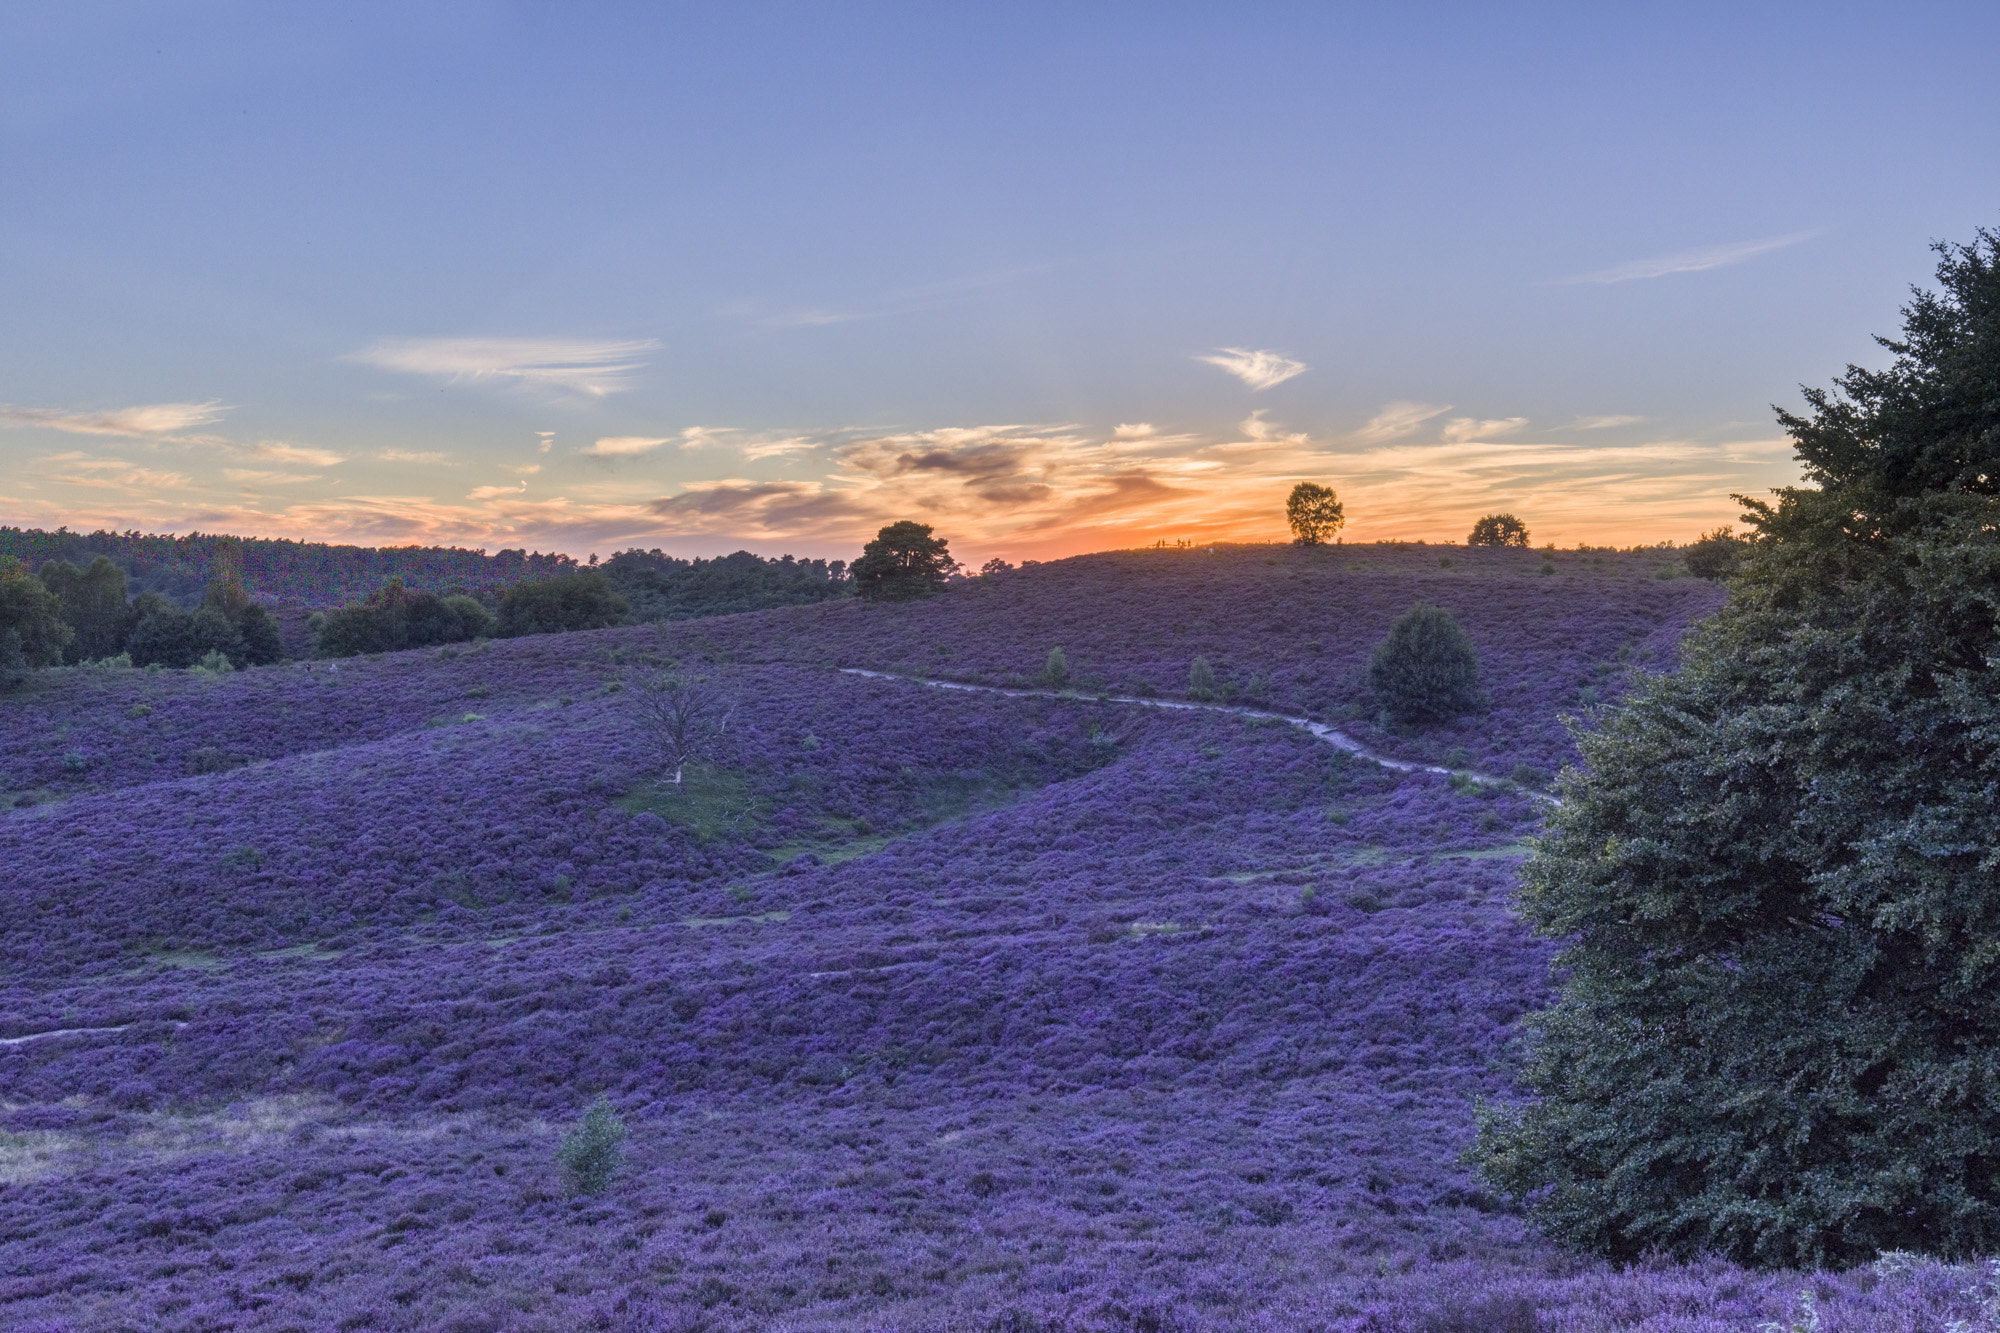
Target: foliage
[
  {"x": 686, "y": 716},
  {"x": 583, "y": 600},
  {"x": 94, "y": 605},
  {"x": 1055, "y": 671},
  {"x": 592, "y": 1152},
  {"x": 661, "y": 588},
  {"x": 1201, "y": 679},
  {"x": 1314, "y": 513},
  {"x": 1426, "y": 669},
  {"x": 903, "y": 563},
  {"x": 1498, "y": 530},
  {"x": 279, "y": 570},
  {"x": 995, "y": 567},
  {"x": 32, "y": 630},
  {"x": 1776, "y": 876},
  {"x": 1715, "y": 555},
  {"x": 395, "y": 617}
]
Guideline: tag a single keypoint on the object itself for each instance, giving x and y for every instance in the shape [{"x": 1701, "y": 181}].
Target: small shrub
[
  {"x": 1716, "y": 555},
  {"x": 1055, "y": 671},
  {"x": 1426, "y": 670},
  {"x": 1201, "y": 679},
  {"x": 590, "y": 1153},
  {"x": 215, "y": 662}
]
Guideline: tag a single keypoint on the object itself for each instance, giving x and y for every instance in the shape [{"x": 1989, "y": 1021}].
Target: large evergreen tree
[{"x": 1777, "y": 876}]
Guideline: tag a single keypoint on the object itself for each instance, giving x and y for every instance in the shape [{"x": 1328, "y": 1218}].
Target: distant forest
[{"x": 304, "y": 574}]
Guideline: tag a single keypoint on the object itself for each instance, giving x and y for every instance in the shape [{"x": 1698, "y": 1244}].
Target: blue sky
[{"x": 1055, "y": 278}]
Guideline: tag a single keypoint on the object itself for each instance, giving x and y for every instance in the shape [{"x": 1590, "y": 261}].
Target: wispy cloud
[
  {"x": 412, "y": 456},
  {"x": 1396, "y": 420},
  {"x": 495, "y": 492},
  {"x": 113, "y": 474},
  {"x": 286, "y": 452},
  {"x": 623, "y": 446},
  {"x": 1600, "y": 423},
  {"x": 1134, "y": 430},
  {"x": 521, "y": 469},
  {"x": 267, "y": 477},
  {"x": 151, "y": 421},
  {"x": 1691, "y": 261},
  {"x": 1258, "y": 369},
  {"x": 1460, "y": 429},
  {"x": 583, "y": 367}
]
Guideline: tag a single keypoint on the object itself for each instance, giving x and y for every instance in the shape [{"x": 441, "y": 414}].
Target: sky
[{"x": 1051, "y": 277}]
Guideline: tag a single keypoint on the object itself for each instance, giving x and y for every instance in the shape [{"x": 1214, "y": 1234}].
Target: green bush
[
  {"x": 1201, "y": 679},
  {"x": 1055, "y": 671},
  {"x": 1426, "y": 670},
  {"x": 1716, "y": 555},
  {"x": 590, "y": 1154}
]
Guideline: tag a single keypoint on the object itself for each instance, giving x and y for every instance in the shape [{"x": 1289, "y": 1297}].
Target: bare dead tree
[{"x": 686, "y": 714}]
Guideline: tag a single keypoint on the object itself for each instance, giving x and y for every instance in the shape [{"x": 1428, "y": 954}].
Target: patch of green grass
[{"x": 709, "y": 802}]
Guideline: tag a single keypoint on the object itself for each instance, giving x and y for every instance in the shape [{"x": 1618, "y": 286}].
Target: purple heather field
[{"x": 926, "y": 1009}]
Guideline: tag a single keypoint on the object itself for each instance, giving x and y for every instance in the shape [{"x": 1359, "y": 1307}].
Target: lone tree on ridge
[
  {"x": 904, "y": 562},
  {"x": 1774, "y": 878},
  {"x": 1314, "y": 512},
  {"x": 1498, "y": 530}
]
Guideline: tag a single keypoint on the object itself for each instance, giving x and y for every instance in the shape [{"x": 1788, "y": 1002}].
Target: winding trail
[
  {"x": 1333, "y": 736},
  {"x": 71, "y": 1032}
]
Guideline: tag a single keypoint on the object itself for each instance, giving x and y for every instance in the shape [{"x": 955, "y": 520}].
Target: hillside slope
[{"x": 927, "y": 1009}]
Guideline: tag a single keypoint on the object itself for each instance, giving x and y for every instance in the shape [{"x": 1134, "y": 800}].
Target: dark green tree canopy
[
  {"x": 1498, "y": 530},
  {"x": 1777, "y": 877},
  {"x": 93, "y": 602},
  {"x": 1426, "y": 670},
  {"x": 33, "y": 632},
  {"x": 583, "y": 600},
  {"x": 1314, "y": 513},
  {"x": 903, "y": 562}
]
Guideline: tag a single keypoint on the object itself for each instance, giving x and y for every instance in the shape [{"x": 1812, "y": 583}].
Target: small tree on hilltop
[
  {"x": 904, "y": 562},
  {"x": 1426, "y": 670},
  {"x": 1498, "y": 530},
  {"x": 686, "y": 715},
  {"x": 1314, "y": 512},
  {"x": 1774, "y": 878}
]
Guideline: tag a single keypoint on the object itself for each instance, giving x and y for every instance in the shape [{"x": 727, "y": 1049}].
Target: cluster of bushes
[{"x": 65, "y": 615}]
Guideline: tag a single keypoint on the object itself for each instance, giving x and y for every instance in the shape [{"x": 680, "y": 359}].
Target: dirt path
[{"x": 1333, "y": 736}]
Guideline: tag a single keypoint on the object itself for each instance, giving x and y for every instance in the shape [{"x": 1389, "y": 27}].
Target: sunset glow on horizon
[{"x": 770, "y": 277}]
